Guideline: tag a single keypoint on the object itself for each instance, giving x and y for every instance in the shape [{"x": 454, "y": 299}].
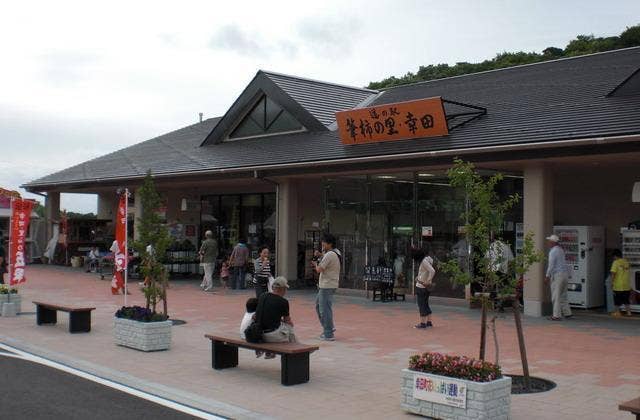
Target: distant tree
[
  {"x": 630, "y": 37},
  {"x": 582, "y": 44}
]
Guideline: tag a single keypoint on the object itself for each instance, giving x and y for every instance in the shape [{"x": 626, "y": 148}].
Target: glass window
[{"x": 266, "y": 117}]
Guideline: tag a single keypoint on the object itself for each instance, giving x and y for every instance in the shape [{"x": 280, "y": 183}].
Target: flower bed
[
  {"x": 461, "y": 367},
  {"x": 455, "y": 387},
  {"x": 10, "y": 294},
  {"x": 140, "y": 314},
  {"x": 141, "y": 329}
]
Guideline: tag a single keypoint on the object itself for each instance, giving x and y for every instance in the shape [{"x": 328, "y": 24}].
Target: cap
[
  {"x": 280, "y": 281},
  {"x": 553, "y": 238}
]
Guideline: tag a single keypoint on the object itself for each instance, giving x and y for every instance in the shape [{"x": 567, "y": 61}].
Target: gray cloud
[
  {"x": 234, "y": 38},
  {"x": 329, "y": 36},
  {"x": 67, "y": 67}
]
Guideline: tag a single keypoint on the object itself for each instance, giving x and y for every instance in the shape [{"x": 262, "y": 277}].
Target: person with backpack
[{"x": 329, "y": 269}]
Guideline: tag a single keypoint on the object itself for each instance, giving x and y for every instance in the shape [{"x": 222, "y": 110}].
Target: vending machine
[
  {"x": 631, "y": 252},
  {"x": 584, "y": 251}
]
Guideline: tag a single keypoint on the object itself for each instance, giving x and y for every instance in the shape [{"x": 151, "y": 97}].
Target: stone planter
[
  {"x": 144, "y": 336},
  {"x": 15, "y": 299},
  {"x": 478, "y": 400}
]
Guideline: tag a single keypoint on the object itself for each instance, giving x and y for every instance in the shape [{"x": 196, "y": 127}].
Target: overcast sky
[{"x": 82, "y": 79}]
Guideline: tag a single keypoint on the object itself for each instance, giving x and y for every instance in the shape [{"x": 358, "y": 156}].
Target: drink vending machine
[
  {"x": 631, "y": 252},
  {"x": 584, "y": 252}
]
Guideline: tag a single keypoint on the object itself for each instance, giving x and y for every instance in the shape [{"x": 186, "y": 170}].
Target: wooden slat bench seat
[
  {"x": 632, "y": 406},
  {"x": 79, "y": 317},
  {"x": 294, "y": 360}
]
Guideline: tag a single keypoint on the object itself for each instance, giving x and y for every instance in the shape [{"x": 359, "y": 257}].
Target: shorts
[
  {"x": 621, "y": 297},
  {"x": 422, "y": 297}
]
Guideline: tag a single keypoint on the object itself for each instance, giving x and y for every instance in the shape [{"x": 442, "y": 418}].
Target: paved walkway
[{"x": 593, "y": 359}]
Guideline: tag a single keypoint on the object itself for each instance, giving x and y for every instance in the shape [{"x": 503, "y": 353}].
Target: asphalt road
[{"x": 29, "y": 390}]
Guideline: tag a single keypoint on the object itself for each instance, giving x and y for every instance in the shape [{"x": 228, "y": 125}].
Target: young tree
[
  {"x": 152, "y": 246},
  {"x": 484, "y": 218}
]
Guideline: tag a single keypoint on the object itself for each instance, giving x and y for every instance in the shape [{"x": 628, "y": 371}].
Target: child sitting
[{"x": 247, "y": 319}]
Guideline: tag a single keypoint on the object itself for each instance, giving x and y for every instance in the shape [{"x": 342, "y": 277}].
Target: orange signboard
[{"x": 397, "y": 121}]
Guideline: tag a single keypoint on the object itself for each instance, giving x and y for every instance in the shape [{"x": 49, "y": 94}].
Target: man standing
[
  {"x": 500, "y": 258},
  {"x": 208, "y": 255},
  {"x": 239, "y": 257},
  {"x": 558, "y": 277},
  {"x": 329, "y": 269}
]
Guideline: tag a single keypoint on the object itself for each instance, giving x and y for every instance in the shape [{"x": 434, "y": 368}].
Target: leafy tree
[
  {"x": 582, "y": 44},
  {"x": 154, "y": 233},
  {"x": 484, "y": 217}
]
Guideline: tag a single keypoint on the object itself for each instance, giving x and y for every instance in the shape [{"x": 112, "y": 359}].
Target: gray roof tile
[{"x": 554, "y": 100}]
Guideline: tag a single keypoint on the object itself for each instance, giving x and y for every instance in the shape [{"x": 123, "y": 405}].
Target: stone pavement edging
[{"x": 186, "y": 398}]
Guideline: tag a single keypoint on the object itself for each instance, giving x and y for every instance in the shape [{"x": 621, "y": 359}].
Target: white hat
[
  {"x": 553, "y": 238},
  {"x": 280, "y": 281}
]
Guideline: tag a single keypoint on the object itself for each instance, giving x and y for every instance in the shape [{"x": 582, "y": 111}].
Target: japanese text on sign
[
  {"x": 397, "y": 121},
  {"x": 440, "y": 390}
]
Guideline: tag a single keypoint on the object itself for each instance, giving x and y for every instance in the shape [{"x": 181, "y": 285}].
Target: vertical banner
[
  {"x": 119, "y": 247},
  {"x": 20, "y": 217}
]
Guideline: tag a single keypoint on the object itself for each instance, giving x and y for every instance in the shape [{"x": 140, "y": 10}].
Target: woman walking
[
  {"x": 262, "y": 272},
  {"x": 424, "y": 283}
]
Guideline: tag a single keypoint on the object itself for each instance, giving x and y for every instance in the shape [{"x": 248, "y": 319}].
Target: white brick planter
[
  {"x": 15, "y": 299},
  {"x": 145, "y": 336},
  {"x": 484, "y": 400}
]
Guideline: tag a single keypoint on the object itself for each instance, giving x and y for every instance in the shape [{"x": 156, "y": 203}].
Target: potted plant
[
  {"x": 140, "y": 328},
  {"x": 10, "y": 295},
  {"x": 148, "y": 328},
  {"x": 455, "y": 387}
]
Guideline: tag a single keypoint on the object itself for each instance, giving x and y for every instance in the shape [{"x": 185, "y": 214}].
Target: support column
[
  {"x": 538, "y": 218},
  {"x": 137, "y": 214},
  {"x": 287, "y": 229},
  {"x": 51, "y": 211}
]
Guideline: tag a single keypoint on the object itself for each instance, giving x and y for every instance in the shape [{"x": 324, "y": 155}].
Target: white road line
[{"x": 111, "y": 384}]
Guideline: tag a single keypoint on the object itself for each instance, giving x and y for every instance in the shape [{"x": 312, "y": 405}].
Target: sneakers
[
  {"x": 324, "y": 338},
  {"x": 429, "y": 324},
  {"x": 269, "y": 355},
  {"x": 421, "y": 325}
]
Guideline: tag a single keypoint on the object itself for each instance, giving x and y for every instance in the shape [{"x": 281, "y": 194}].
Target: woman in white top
[{"x": 424, "y": 282}]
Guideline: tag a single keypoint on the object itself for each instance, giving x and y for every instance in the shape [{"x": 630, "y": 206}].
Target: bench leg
[
  {"x": 46, "y": 315},
  {"x": 223, "y": 356},
  {"x": 294, "y": 368},
  {"x": 79, "y": 322}
]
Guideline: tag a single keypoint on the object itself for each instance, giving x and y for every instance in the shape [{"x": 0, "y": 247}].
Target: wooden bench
[
  {"x": 632, "y": 406},
  {"x": 294, "y": 360},
  {"x": 79, "y": 317}
]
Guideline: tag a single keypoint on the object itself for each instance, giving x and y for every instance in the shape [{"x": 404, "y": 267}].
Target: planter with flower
[
  {"x": 10, "y": 295},
  {"x": 148, "y": 328},
  {"x": 455, "y": 387},
  {"x": 139, "y": 328}
]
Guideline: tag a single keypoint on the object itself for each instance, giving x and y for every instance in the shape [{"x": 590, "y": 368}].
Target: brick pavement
[{"x": 593, "y": 359}]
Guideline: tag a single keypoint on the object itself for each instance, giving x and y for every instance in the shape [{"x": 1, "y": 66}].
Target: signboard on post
[
  {"x": 396, "y": 121},
  {"x": 440, "y": 390}
]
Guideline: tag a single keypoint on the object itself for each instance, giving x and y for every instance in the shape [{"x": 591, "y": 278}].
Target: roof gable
[
  {"x": 260, "y": 86},
  {"x": 629, "y": 87}
]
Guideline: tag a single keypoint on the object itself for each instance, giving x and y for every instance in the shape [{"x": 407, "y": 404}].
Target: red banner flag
[
  {"x": 119, "y": 247},
  {"x": 20, "y": 217}
]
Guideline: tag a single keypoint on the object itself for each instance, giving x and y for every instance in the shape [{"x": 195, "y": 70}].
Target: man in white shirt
[
  {"x": 558, "y": 277},
  {"x": 329, "y": 269}
]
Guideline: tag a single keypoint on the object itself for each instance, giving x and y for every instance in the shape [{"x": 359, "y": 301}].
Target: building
[{"x": 274, "y": 170}]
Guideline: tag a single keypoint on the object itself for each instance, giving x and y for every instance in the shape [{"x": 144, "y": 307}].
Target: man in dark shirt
[{"x": 273, "y": 313}]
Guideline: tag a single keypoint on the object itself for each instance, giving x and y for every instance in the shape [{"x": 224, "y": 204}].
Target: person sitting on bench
[
  {"x": 273, "y": 311},
  {"x": 92, "y": 260}
]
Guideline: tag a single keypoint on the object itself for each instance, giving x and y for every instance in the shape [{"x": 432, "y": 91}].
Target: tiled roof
[
  {"x": 321, "y": 99},
  {"x": 554, "y": 100}
]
